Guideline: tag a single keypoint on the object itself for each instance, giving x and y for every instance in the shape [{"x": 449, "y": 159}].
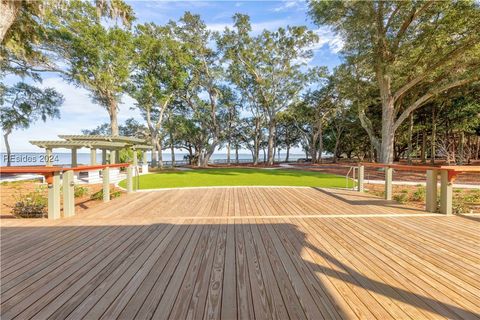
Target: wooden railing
[
  {"x": 52, "y": 177},
  {"x": 447, "y": 176}
]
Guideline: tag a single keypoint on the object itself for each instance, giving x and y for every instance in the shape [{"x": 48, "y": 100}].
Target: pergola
[{"x": 111, "y": 144}]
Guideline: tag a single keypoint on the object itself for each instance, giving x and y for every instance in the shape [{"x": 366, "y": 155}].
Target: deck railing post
[
  {"x": 446, "y": 193},
  {"x": 388, "y": 183},
  {"x": 129, "y": 179},
  {"x": 106, "y": 184},
  {"x": 54, "y": 196},
  {"x": 431, "y": 191},
  {"x": 361, "y": 176},
  {"x": 68, "y": 194}
]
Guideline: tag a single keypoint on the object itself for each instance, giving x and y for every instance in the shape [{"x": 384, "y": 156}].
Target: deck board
[{"x": 242, "y": 253}]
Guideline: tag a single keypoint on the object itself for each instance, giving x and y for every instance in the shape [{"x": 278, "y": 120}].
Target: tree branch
[
  {"x": 422, "y": 100},
  {"x": 414, "y": 13},
  {"x": 450, "y": 57}
]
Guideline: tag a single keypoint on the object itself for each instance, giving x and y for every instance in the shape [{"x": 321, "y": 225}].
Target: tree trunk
[
  {"x": 477, "y": 153},
  {"x": 154, "y": 152},
  {"x": 160, "y": 153},
  {"x": 313, "y": 150},
  {"x": 388, "y": 134},
  {"x": 236, "y": 153},
  {"x": 287, "y": 157},
  {"x": 208, "y": 154},
  {"x": 172, "y": 150},
  {"x": 190, "y": 155},
  {"x": 112, "y": 112},
  {"x": 320, "y": 143},
  {"x": 271, "y": 141},
  {"x": 469, "y": 149},
  {"x": 461, "y": 149},
  {"x": 433, "y": 143},
  {"x": 9, "y": 10},
  {"x": 7, "y": 145},
  {"x": 256, "y": 142},
  {"x": 410, "y": 139},
  {"x": 423, "y": 153},
  {"x": 228, "y": 152}
]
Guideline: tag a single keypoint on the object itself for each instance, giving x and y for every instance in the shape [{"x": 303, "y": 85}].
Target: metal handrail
[{"x": 352, "y": 169}]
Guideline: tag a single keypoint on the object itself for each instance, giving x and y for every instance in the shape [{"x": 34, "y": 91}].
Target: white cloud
[
  {"x": 290, "y": 5},
  {"x": 327, "y": 36}
]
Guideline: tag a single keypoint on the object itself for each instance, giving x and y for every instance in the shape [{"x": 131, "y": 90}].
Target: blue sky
[{"x": 78, "y": 112}]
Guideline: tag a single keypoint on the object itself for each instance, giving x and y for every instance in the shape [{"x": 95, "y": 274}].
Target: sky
[{"x": 79, "y": 112}]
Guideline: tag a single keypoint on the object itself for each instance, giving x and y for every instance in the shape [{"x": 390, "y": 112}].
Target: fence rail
[
  {"x": 447, "y": 176},
  {"x": 54, "y": 174}
]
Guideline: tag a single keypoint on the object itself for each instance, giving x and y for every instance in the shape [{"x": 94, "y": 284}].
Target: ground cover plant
[{"x": 239, "y": 177}]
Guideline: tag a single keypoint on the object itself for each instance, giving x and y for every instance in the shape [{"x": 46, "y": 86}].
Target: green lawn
[{"x": 238, "y": 177}]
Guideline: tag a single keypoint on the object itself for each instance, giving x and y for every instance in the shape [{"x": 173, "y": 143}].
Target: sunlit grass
[{"x": 239, "y": 177}]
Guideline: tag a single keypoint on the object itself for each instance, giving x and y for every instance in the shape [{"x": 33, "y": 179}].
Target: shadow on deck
[{"x": 419, "y": 267}]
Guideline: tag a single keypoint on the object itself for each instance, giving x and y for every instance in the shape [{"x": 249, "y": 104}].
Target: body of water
[{"x": 64, "y": 158}]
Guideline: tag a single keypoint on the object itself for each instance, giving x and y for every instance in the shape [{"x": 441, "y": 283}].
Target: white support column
[
  {"x": 106, "y": 184},
  {"x": 93, "y": 156},
  {"x": 48, "y": 157},
  {"x": 74, "y": 157},
  {"x": 431, "y": 191},
  {"x": 54, "y": 197},
  {"x": 135, "y": 158},
  {"x": 388, "y": 183},
  {"x": 104, "y": 156},
  {"x": 361, "y": 176},
  {"x": 446, "y": 193},
  {"x": 112, "y": 156},
  {"x": 144, "y": 162},
  {"x": 117, "y": 156},
  {"x": 68, "y": 194},
  {"x": 129, "y": 179}
]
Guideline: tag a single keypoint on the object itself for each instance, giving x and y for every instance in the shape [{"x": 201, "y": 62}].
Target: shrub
[
  {"x": 80, "y": 191},
  {"x": 459, "y": 206},
  {"x": 99, "y": 194},
  {"x": 31, "y": 205},
  {"x": 419, "y": 194},
  {"x": 401, "y": 197}
]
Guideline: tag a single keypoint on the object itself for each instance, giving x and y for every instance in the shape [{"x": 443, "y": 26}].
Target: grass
[{"x": 238, "y": 177}]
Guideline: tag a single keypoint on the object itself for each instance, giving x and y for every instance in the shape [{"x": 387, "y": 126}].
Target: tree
[
  {"x": 415, "y": 50},
  {"x": 311, "y": 115},
  {"x": 98, "y": 58},
  {"x": 288, "y": 134},
  {"x": 270, "y": 65},
  {"x": 25, "y": 31},
  {"x": 158, "y": 76},
  {"x": 205, "y": 72},
  {"x": 230, "y": 117},
  {"x": 23, "y": 104},
  {"x": 130, "y": 128}
]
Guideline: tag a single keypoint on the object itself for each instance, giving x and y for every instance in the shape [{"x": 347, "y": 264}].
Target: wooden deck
[{"x": 243, "y": 253}]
